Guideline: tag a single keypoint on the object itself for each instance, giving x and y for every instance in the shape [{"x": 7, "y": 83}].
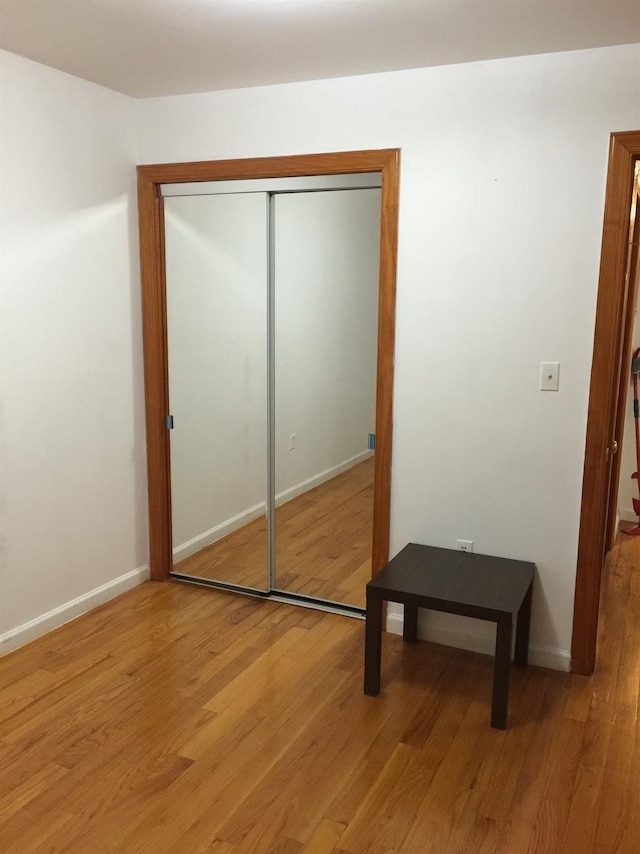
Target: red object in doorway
[{"x": 635, "y": 369}]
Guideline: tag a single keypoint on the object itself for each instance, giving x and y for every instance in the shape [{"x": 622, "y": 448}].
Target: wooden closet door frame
[{"x": 154, "y": 320}]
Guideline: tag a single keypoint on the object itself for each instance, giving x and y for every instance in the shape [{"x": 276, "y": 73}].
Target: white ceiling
[{"x": 147, "y": 48}]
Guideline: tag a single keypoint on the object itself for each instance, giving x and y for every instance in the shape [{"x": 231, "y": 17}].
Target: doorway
[
  {"x": 614, "y": 310},
  {"x": 623, "y": 493},
  {"x": 284, "y": 477}
]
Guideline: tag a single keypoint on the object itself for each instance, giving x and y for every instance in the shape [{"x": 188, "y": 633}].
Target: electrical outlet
[{"x": 465, "y": 545}]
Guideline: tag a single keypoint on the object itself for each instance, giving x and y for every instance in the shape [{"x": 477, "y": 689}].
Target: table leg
[
  {"x": 373, "y": 647},
  {"x": 501, "y": 673},
  {"x": 410, "y": 623},
  {"x": 523, "y": 627}
]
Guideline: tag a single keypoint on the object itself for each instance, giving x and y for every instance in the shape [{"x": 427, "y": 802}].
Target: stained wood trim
[
  {"x": 386, "y": 352},
  {"x": 150, "y": 209},
  {"x": 605, "y": 370},
  {"x": 627, "y": 351},
  {"x": 335, "y": 163},
  {"x": 151, "y": 226}
]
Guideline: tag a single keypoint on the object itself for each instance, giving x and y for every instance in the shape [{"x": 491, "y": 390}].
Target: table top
[{"x": 454, "y": 577}]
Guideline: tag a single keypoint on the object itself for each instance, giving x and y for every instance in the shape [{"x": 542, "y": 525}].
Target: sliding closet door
[
  {"x": 216, "y": 271},
  {"x": 325, "y": 283}
]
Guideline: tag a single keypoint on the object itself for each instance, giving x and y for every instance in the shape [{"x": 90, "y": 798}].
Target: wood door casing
[
  {"x": 611, "y": 317},
  {"x": 150, "y": 211},
  {"x": 627, "y": 352}
]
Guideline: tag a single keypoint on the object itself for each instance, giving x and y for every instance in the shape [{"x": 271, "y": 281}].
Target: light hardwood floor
[
  {"x": 176, "y": 719},
  {"x": 323, "y": 543}
]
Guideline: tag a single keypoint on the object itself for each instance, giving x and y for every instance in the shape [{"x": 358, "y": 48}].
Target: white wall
[
  {"x": 73, "y": 526},
  {"x": 502, "y": 190}
]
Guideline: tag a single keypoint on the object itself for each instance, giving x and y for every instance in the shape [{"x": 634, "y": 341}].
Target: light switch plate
[{"x": 549, "y": 376}]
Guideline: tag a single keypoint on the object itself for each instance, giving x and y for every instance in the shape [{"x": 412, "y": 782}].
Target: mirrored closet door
[
  {"x": 272, "y": 314},
  {"x": 216, "y": 273},
  {"x": 268, "y": 310},
  {"x": 326, "y": 258}
]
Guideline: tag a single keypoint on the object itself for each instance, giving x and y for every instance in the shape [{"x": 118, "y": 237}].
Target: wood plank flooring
[
  {"x": 323, "y": 543},
  {"x": 176, "y": 719}
]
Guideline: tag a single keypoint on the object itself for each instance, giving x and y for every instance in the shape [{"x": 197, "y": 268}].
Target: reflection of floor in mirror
[
  {"x": 323, "y": 543},
  {"x": 238, "y": 558}
]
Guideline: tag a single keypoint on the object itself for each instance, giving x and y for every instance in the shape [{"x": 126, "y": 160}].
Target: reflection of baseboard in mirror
[
  {"x": 324, "y": 541},
  {"x": 320, "y": 478},
  {"x": 222, "y": 529},
  {"x": 217, "y": 532}
]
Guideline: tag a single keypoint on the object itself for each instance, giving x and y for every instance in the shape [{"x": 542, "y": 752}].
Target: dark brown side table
[{"x": 473, "y": 585}]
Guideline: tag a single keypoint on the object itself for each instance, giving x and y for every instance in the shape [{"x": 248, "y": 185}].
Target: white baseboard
[
  {"x": 540, "y": 656},
  {"x": 626, "y": 514},
  {"x": 207, "y": 538},
  {"x": 57, "y": 617}
]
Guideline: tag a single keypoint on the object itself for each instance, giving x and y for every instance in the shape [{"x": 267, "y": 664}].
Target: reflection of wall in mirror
[
  {"x": 326, "y": 314},
  {"x": 327, "y": 251},
  {"x": 216, "y": 257}
]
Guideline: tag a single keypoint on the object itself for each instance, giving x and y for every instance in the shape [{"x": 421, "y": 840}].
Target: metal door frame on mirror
[{"x": 153, "y": 275}]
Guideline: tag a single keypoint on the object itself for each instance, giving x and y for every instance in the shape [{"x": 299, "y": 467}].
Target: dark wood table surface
[{"x": 472, "y": 585}]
